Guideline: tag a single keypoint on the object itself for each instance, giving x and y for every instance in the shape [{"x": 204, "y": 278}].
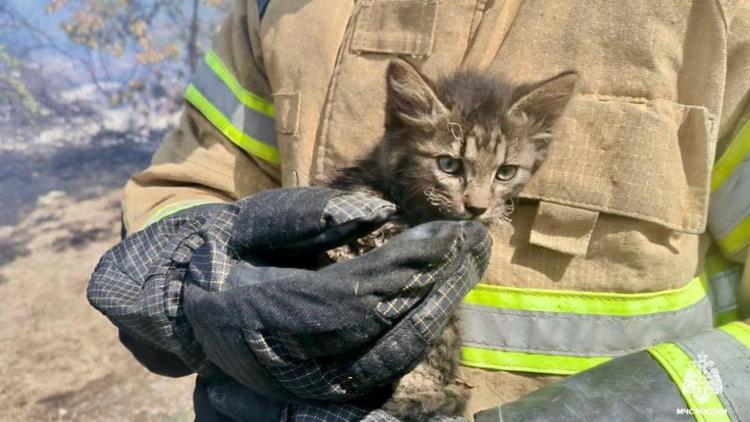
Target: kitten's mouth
[
  {"x": 498, "y": 216},
  {"x": 495, "y": 220},
  {"x": 487, "y": 218},
  {"x": 494, "y": 216}
]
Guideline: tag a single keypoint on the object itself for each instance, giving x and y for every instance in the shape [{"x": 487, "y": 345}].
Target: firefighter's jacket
[{"x": 632, "y": 234}]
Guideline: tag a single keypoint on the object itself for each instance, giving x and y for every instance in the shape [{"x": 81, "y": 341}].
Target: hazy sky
[{"x": 35, "y": 12}]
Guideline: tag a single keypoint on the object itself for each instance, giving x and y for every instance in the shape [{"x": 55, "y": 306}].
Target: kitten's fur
[{"x": 484, "y": 124}]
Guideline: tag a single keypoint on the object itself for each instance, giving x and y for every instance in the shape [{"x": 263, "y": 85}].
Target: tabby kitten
[{"x": 460, "y": 148}]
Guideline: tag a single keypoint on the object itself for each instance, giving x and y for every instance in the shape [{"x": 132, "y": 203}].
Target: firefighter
[{"x": 615, "y": 293}]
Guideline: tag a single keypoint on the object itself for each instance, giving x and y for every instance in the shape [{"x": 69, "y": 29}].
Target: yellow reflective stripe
[
  {"x": 244, "y": 96},
  {"x": 739, "y": 330},
  {"x": 597, "y": 303},
  {"x": 724, "y": 171},
  {"x": 173, "y": 208},
  {"x": 732, "y": 157},
  {"x": 528, "y": 362},
  {"x": 587, "y": 305},
  {"x": 221, "y": 122},
  {"x": 738, "y": 239},
  {"x": 677, "y": 363}
]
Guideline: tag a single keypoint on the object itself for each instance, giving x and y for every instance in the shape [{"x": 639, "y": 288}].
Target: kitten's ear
[
  {"x": 411, "y": 100},
  {"x": 540, "y": 105},
  {"x": 544, "y": 102}
]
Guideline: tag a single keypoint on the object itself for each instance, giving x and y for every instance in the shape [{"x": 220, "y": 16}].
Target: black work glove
[{"x": 217, "y": 289}]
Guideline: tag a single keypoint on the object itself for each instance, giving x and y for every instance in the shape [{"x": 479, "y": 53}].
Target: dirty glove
[{"x": 216, "y": 290}]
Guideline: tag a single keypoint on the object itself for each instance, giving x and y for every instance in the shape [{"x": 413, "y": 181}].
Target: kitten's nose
[
  {"x": 475, "y": 211},
  {"x": 476, "y": 200}
]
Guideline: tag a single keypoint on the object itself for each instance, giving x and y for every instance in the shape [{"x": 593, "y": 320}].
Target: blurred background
[{"x": 87, "y": 90}]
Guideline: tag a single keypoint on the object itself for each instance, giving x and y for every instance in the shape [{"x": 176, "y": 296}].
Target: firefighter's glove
[{"x": 222, "y": 290}]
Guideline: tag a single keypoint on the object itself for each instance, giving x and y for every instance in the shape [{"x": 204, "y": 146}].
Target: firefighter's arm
[
  {"x": 706, "y": 376},
  {"x": 729, "y": 207},
  {"x": 224, "y": 148}
]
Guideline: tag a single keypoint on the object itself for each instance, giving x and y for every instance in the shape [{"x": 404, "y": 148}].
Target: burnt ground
[{"x": 60, "y": 359}]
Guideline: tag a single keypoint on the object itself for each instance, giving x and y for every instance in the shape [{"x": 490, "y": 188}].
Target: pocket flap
[
  {"x": 396, "y": 27},
  {"x": 562, "y": 228},
  {"x": 287, "y": 112},
  {"x": 648, "y": 160}
]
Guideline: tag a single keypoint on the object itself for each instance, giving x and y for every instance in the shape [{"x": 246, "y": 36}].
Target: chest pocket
[
  {"x": 395, "y": 27},
  {"x": 639, "y": 141},
  {"x": 379, "y": 31},
  {"x": 648, "y": 160}
]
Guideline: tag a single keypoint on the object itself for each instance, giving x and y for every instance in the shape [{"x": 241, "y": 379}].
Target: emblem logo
[{"x": 693, "y": 383}]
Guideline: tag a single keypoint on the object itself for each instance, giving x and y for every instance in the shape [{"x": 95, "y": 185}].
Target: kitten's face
[
  {"x": 471, "y": 175},
  {"x": 462, "y": 148}
]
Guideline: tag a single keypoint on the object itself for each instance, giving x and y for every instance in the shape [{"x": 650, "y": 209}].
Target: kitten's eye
[
  {"x": 506, "y": 172},
  {"x": 449, "y": 164}
]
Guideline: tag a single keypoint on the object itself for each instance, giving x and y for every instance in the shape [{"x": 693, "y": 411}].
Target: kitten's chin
[
  {"x": 496, "y": 218},
  {"x": 501, "y": 220},
  {"x": 420, "y": 215}
]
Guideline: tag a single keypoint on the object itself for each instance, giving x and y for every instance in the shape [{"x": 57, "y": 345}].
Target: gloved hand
[{"x": 219, "y": 288}]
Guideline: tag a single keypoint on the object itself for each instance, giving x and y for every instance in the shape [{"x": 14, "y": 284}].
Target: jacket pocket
[
  {"x": 395, "y": 27},
  {"x": 645, "y": 159}
]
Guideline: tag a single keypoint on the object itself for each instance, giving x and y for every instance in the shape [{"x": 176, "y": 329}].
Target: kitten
[{"x": 459, "y": 148}]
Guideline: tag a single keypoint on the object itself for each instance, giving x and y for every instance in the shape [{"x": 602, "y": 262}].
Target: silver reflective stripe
[
  {"x": 730, "y": 204},
  {"x": 731, "y": 362},
  {"x": 252, "y": 123},
  {"x": 724, "y": 288},
  {"x": 578, "y": 334}
]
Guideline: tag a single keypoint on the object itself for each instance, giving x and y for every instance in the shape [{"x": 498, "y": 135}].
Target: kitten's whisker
[
  {"x": 437, "y": 199},
  {"x": 509, "y": 207}
]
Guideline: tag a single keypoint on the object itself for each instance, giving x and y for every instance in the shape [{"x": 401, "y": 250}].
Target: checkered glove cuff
[{"x": 139, "y": 283}]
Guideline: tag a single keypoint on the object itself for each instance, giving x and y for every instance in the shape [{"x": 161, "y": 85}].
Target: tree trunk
[{"x": 192, "y": 53}]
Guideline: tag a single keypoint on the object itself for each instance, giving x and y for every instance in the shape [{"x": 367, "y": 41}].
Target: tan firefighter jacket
[{"x": 619, "y": 245}]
